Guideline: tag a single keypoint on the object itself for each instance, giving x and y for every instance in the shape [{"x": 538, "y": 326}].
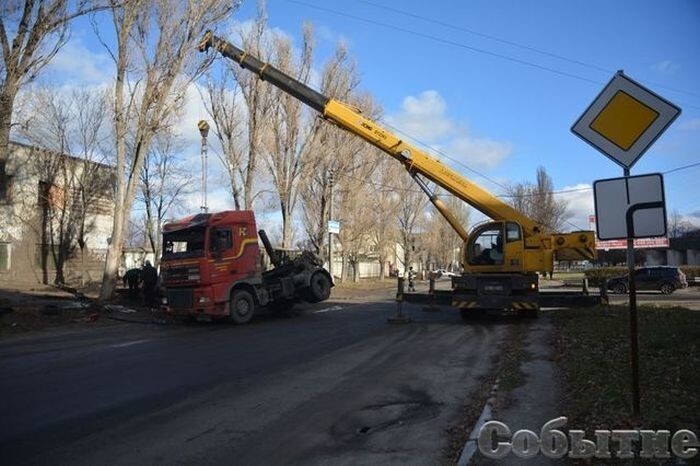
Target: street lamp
[{"x": 204, "y": 131}]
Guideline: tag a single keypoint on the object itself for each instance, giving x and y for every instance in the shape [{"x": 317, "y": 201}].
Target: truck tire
[
  {"x": 319, "y": 288},
  {"x": 241, "y": 307}
]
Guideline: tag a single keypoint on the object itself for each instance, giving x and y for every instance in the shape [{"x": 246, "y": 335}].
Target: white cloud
[
  {"x": 579, "y": 200},
  {"x": 424, "y": 117},
  {"x": 77, "y": 64},
  {"x": 218, "y": 198},
  {"x": 190, "y": 114},
  {"x": 665, "y": 66},
  {"x": 691, "y": 125}
]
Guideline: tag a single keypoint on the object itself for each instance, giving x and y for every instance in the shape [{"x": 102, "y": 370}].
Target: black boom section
[{"x": 267, "y": 72}]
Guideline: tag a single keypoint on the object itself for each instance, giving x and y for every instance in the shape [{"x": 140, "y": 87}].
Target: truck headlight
[
  {"x": 164, "y": 300},
  {"x": 203, "y": 299}
]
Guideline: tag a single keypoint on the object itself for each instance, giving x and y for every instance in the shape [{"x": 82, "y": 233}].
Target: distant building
[
  {"x": 681, "y": 251},
  {"x": 51, "y": 204}
]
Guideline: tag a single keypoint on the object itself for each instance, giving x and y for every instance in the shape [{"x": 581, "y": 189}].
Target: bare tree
[
  {"x": 31, "y": 34},
  {"x": 223, "y": 103},
  {"x": 385, "y": 200},
  {"x": 443, "y": 244},
  {"x": 356, "y": 221},
  {"x": 239, "y": 103},
  {"x": 155, "y": 62},
  {"x": 287, "y": 147},
  {"x": 411, "y": 208},
  {"x": 678, "y": 226},
  {"x": 164, "y": 181},
  {"x": 74, "y": 182},
  {"x": 538, "y": 202},
  {"x": 332, "y": 150}
]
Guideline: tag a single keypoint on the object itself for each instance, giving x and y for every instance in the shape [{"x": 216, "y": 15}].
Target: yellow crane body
[{"x": 500, "y": 257}]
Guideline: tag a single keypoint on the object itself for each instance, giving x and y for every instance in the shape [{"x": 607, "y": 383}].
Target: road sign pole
[
  {"x": 330, "y": 217},
  {"x": 634, "y": 336}
]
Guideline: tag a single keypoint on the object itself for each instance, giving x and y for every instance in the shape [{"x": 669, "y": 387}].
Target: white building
[{"x": 50, "y": 205}]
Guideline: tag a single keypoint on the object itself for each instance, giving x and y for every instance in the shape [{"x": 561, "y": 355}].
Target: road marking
[
  {"x": 334, "y": 308},
  {"x": 128, "y": 343}
]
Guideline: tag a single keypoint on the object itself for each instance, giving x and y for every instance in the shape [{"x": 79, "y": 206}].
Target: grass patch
[
  {"x": 568, "y": 276},
  {"x": 593, "y": 354},
  {"x": 366, "y": 284}
]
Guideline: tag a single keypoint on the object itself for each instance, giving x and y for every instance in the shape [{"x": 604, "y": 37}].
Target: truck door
[{"x": 220, "y": 247}]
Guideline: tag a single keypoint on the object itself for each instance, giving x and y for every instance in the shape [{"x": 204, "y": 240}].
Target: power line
[
  {"x": 486, "y": 36},
  {"x": 445, "y": 41},
  {"x": 460, "y": 45},
  {"x": 692, "y": 165},
  {"x": 513, "y": 43}
]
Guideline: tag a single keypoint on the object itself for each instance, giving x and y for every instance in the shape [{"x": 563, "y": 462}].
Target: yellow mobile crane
[{"x": 501, "y": 257}]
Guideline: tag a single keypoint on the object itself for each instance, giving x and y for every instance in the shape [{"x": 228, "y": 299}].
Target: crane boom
[
  {"x": 351, "y": 119},
  {"x": 528, "y": 249}
]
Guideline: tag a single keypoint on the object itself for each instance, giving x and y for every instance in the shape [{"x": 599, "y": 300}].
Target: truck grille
[
  {"x": 182, "y": 299},
  {"x": 181, "y": 274}
]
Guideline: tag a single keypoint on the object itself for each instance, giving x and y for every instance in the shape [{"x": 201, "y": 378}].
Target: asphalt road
[{"x": 332, "y": 386}]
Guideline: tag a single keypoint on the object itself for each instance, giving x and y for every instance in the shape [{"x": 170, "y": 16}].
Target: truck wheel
[
  {"x": 241, "y": 307},
  {"x": 319, "y": 288}
]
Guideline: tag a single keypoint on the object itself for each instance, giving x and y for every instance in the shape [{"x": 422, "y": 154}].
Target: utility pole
[
  {"x": 204, "y": 131},
  {"x": 330, "y": 217}
]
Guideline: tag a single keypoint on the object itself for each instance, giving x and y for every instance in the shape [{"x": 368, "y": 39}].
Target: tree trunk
[
  {"x": 7, "y": 99},
  {"x": 343, "y": 267},
  {"x": 83, "y": 270},
  {"x": 286, "y": 226}
]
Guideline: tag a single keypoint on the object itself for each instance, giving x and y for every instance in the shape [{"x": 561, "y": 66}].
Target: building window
[
  {"x": 4, "y": 257},
  {"x": 5, "y": 183}
]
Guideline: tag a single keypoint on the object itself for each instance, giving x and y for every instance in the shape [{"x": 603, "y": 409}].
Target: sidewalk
[{"x": 537, "y": 396}]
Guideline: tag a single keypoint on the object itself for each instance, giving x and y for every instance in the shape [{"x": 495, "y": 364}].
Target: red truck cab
[{"x": 211, "y": 266}]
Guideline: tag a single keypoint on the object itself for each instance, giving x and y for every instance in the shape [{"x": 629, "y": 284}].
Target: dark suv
[{"x": 662, "y": 278}]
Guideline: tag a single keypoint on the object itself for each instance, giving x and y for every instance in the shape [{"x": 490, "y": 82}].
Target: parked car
[
  {"x": 663, "y": 278},
  {"x": 443, "y": 273}
]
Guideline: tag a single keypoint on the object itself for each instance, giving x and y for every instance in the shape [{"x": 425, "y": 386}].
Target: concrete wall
[
  {"x": 674, "y": 257},
  {"x": 655, "y": 257}
]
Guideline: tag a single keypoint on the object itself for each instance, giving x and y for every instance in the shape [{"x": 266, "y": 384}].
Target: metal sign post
[
  {"x": 622, "y": 122},
  {"x": 634, "y": 334}
]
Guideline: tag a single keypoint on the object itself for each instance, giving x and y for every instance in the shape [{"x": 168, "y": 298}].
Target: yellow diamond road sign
[{"x": 625, "y": 120}]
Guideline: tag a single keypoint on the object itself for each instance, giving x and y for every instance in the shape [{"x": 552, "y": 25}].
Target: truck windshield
[{"x": 184, "y": 243}]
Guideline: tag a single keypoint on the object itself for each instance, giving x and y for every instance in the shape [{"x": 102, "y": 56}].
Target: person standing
[
  {"x": 132, "y": 277},
  {"x": 149, "y": 277},
  {"x": 411, "y": 279}
]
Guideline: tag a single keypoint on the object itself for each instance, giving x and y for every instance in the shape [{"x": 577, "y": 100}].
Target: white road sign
[
  {"x": 625, "y": 120},
  {"x": 630, "y": 207},
  {"x": 334, "y": 227}
]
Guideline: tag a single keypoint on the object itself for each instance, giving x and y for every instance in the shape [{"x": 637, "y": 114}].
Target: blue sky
[
  {"x": 527, "y": 109},
  {"x": 495, "y": 115}
]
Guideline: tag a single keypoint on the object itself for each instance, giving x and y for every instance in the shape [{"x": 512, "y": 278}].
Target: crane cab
[{"x": 495, "y": 247}]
